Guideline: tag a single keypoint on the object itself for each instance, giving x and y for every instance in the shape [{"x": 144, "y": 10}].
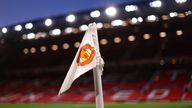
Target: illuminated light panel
[
  {"x": 4, "y": 30},
  {"x": 25, "y": 51},
  {"x": 95, "y": 14},
  {"x": 151, "y": 18},
  {"x": 70, "y": 18},
  {"x": 43, "y": 49},
  {"x": 54, "y": 47},
  {"x": 187, "y": 13},
  {"x": 31, "y": 36},
  {"x": 163, "y": 34},
  {"x": 180, "y": 1},
  {"x": 165, "y": 17},
  {"x": 48, "y": 22},
  {"x": 117, "y": 40},
  {"x": 131, "y": 8},
  {"x": 133, "y": 20},
  {"x": 40, "y": 35},
  {"x": 55, "y": 32},
  {"x": 69, "y": 30},
  {"x": 131, "y": 38},
  {"x": 117, "y": 23},
  {"x": 155, "y": 4},
  {"x": 33, "y": 50},
  {"x": 181, "y": 15},
  {"x": 173, "y": 14},
  {"x": 107, "y": 25},
  {"x": 66, "y": 46},
  {"x": 28, "y": 26},
  {"x": 99, "y": 25},
  {"x": 179, "y": 32},
  {"x": 140, "y": 19},
  {"x": 111, "y": 11},
  {"x": 146, "y": 36},
  {"x": 83, "y": 27},
  {"x": 77, "y": 44},
  {"x": 24, "y": 36},
  {"x": 103, "y": 41},
  {"x": 18, "y": 28}
]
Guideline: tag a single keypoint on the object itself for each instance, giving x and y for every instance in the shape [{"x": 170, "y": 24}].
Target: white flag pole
[
  {"x": 97, "y": 71},
  {"x": 98, "y": 87}
]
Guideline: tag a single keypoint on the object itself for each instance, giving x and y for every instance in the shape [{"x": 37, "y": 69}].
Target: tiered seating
[
  {"x": 188, "y": 96},
  {"x": 165, "y": 86},
  {"x": 166, "y": 80},
  {"x": 171, "y": 82}
]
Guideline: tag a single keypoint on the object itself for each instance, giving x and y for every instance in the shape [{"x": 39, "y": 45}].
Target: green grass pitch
[{"x": 92, "y": 105}]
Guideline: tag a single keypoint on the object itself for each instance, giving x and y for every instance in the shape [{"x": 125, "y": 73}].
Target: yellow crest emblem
[{"x": 86, "y": 55}]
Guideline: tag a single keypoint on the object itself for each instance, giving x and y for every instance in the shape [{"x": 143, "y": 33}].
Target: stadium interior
[{"x": 146, "y": 47}]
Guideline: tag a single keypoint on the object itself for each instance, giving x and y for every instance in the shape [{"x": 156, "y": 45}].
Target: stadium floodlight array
[
  {"x": 102, "y": 41},
  {"x": 117, "y": 22},
  {"x": 111, "y": 12},
  {"x": 113, "y": 23}
]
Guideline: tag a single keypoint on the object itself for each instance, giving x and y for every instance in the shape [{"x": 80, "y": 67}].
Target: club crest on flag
[{"x": 86, "y": 55}]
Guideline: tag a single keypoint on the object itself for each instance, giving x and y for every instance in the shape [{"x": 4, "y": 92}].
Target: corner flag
[{"x": 87, "y": 57}]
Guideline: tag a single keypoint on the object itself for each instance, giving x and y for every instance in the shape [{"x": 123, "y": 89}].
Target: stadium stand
[
  {"x": 146, "y": 61},
  {"x": 163, "y": 86}
]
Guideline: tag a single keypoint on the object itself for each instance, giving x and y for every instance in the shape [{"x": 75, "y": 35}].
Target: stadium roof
[{"x": 13, "y": 12}]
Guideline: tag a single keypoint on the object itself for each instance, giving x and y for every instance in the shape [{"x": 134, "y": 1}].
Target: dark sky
[{"x": 16, "y": 11}]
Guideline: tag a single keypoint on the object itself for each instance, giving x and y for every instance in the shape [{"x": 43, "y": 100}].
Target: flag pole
[{"x": 98, "y": 87}]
